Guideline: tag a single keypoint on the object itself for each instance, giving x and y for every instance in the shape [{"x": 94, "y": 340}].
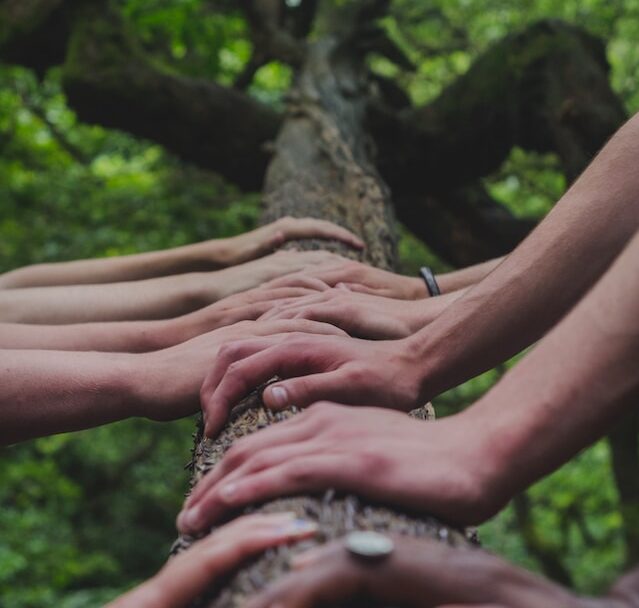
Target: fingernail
[
  {"x": 189, "y": 519},
  {"x": 228, "y": 491},
  {"x": 298, "y": 527},
  {"x": 279, "y": 395}
]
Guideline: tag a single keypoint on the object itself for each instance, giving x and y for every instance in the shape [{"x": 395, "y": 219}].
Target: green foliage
[{"x": 86, "y": 515}]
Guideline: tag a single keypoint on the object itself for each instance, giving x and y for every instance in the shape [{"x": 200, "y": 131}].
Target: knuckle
[
  {"x": 233, "y": 370},
  {"x": 260, "y": 461},
  {"x": 227, "y": 352},
  {"x": 299, "y": 473},
  {"x": 237, "y": 454},
  {"x": 371, "y": 463},
  {"x": 206, "y": 392},
  {"x": 324, "y": 414},
  {"x": 358, "y": 374}
]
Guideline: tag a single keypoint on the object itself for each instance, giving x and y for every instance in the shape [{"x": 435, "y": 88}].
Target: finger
[
  {"x": 267, "y": 294},
  {"x": 227, "y": 354},
  {"x": 306, "y": 326},
  {"x": 191, "y": 572},
  {"x": 242, "y": 369},
  {"x": 212, "y": 503},
  {"x": 293, "y": 312},
  {"x": 288, "y": 432},
  {"x": 332, "y": 581},
  {"x": 360, "y": 288},
  {"x": 305, "y": 390},
  {"x": 314, "y": 228},
  {"x": 298, "y": 280},
  {"x": 308, "y": 474}
]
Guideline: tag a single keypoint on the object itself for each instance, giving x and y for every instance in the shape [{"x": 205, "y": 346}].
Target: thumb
[{"x": 305, "y": 390}]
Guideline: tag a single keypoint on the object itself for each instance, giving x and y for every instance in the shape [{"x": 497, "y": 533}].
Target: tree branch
[
  {"x": 109, "y": 80},
  {"x": 545, "y": 89},
  {"x": 463, "y": 225},
  {"x": 272, "y": 39}
]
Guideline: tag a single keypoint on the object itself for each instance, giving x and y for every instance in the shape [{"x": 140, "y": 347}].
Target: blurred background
[{"x": 87, "y": 515}]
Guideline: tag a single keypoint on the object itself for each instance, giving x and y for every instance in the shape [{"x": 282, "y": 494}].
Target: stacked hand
[
  {"x": 444, "y": 468},
  {"x": 300, "y": 264},
  {"x": 359, "y": 314},
  {"x": 364, "y": 278},
  {"x": 168, "y": 381},
  {"x": 341, "y": 369}
]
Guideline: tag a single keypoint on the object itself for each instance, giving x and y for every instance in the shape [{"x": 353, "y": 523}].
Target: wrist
[
  {"x": 199, "y": 322},
  {"x": 416, "y": 288},
  {"x": 428, "y": 361},
  {"x": 418, "y": 314},
  {"x": 162, "y": 387}
]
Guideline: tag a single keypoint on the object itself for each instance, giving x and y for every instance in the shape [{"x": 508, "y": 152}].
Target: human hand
[
  {"x": 167, "y": 382},
  {"x": 184, "y": 577},
  {"x": 363, "y": 278},
  {"x": 359, "y": 314},
  {"x": 446, "y": 468},
  {"x": 419, "y": 573},
  {"x": 257, "y": 272},
  {"x": 243, "y": 306},
  {"x": 266, "y": 239},
  {"x": 342, "y": 369}
]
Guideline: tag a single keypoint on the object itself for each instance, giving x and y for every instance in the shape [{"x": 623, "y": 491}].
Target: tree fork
[{"x": 322, "y": 167}]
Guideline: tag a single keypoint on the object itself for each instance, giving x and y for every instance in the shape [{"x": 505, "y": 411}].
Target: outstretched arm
[
  {"x": 145, "y": 336},
  {"x": 159, "y": 298},
  {"x": 198, "y": 257},
  {"x": 47, "y": 391},
  {"x": 466, "y": 277},
  {"x": 546, "y": 274}
]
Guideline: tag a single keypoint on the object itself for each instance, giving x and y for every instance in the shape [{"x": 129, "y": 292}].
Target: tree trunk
[{"x": 322, "y": 168}]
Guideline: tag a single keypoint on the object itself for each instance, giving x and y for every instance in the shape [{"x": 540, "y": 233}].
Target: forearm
[
  {"x": 544, "y": 277},
  {"x": 572, "y": 387},
  {"x": 466, "y": 277},
  {"x": 47, "y": 392},
  {"x": 418, "y": 314},
  {"x": 189, "y": 258},
  {"x": 138, "y": 300},
  {"x": 117, "y": 337}
]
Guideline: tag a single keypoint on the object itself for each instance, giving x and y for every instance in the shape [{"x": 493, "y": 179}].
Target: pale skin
[
  {"x": 364, "y": 315},
  {"x": 520, "y": 300},
  {"x": 584, "y": 378},
  {"x": 145, "y": 336},
  {"x": 189, "y": 574},
  {"x": 198, "y": 257},
  {"x": 366, "y": 279},
  {"x": 47, "y": 391},
  {"x": 149, "y": 299},
  {"x": 426, "y": 574}
]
